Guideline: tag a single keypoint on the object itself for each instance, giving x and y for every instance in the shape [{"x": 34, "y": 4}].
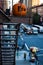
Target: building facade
[
  {"x": 30, "y": 3},
  {"x": 25, "y": 2},
  {"x": 35, "y": 2},
  {"x": 8, "y": 3}
]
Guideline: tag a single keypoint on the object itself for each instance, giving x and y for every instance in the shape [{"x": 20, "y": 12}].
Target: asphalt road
[
  {"x": 30, "y": 40},
  {"x": 21, "y": 61}
]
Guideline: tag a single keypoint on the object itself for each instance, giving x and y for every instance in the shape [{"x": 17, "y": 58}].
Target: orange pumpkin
[{"x": 19, "y": 9}]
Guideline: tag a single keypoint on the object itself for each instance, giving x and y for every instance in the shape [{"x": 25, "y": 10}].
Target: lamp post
[
  {"x": 12, "y": 3},
  {"x": 12, "y": 7},
  {"x": 21, "y": 1}
]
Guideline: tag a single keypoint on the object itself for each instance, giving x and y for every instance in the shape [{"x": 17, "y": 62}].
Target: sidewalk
[
  {"x": 22, "y": 62},
  {"x": 20, "y": 58},
  {"x": 20, "y": 55}
]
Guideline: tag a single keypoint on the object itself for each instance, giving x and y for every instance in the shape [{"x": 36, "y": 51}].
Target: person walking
[{"x": 33, "y": 55}]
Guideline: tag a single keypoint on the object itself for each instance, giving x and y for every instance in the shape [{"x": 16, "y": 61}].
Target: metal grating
[{"x": 8, "y": 42}]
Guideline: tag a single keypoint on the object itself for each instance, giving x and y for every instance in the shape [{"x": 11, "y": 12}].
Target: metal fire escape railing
[{"x": 8, "y": 43}]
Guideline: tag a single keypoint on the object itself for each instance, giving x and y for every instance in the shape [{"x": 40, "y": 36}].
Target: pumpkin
[{"x": 19, "y": 9}]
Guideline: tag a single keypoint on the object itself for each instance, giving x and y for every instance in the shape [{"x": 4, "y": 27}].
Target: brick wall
[
  {"x": 20, "y": 19},
  {"x": 1, "y": 3}
]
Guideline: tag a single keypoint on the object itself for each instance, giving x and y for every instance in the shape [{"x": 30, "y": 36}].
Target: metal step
[
  {"x": 12, "y": 56},
  {"x": 7, "y": 50}
]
